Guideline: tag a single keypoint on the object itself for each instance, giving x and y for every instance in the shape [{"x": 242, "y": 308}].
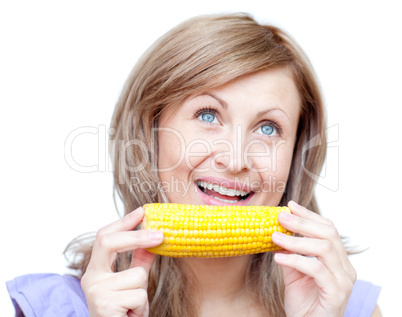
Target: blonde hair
[{"x": 201, "y": 54}]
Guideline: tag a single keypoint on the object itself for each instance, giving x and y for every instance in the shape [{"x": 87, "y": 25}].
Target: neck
[
  {"x": 218, "y": 278},
  {"x": 218, "y": 287}
]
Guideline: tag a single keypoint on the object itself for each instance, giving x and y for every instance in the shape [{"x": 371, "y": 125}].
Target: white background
[{"x": 62, "y": 67}]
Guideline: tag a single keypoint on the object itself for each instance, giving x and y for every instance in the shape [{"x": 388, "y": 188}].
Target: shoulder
[
  {"x": 47, "y": 295},
  {"x": 363, "y": 300}
]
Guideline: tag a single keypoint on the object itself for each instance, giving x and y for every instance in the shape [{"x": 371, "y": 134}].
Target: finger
[
  {"x": 303, "y": 212},
  {"x": 130, "y": 279},
  {"x": 323, "y": 250},
  {"x": 120, "y": 303},
  {"x": 135, "y": 300},
  {"x": 308, "y": 227},
  {"x": 322, "y": 229},
  {"x": 126, "y": 223},
  {"x": 107, "y": 246},
  {"x": 144, "y": 312},
  {"x": 289, "y": 274},
  {"x": 308, "y": 266},
  {"x": 142, "y": 258}
]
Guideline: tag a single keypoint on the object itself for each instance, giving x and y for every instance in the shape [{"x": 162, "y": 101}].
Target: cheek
[
  {"x": 272, "y": 162},
  {"x": 281, "y": 159},
  {"x": 181, "y": 152},
  {"x": 195, "y": 154},
  {"x": 171, "y": 149}
]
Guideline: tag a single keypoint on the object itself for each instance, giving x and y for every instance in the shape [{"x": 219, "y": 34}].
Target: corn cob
[{"x": 213, "y": 231}]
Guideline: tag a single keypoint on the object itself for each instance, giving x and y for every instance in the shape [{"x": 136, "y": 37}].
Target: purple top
[
  {"x": 50, "y": 295},
  {"x": 47, "y": 295},
  {"x": 363, "y": 299}
]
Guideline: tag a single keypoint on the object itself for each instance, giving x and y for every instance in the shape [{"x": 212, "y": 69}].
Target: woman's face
[{"x": 232, "y": 145}]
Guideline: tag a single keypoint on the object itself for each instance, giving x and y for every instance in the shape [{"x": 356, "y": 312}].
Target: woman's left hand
[{"x": 317, "y": 273}]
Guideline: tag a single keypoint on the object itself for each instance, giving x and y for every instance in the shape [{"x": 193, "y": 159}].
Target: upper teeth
[{"x": 222, "y": 190}]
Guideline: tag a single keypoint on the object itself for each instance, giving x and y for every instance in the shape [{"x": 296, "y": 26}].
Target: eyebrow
[
  {"x": 221, "y": 101},
  {"x": 259, "y": 114}
]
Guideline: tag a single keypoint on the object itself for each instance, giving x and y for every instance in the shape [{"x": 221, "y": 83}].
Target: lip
[
  {"x": 214, "y": 202},
  {"x": 225, "y": 183}
]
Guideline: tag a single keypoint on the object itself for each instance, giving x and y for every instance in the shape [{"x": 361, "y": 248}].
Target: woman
[{"x": 220, "y": 110}]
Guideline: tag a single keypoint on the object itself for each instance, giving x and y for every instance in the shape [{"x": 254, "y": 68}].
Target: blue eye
[
  {"x": 208, "y": 117},
  {"x": 268, "y": 129}
]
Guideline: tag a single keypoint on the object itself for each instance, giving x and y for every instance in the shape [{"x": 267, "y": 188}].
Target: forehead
[
  {"x": 273, "y": 84},
  {"x": 257, "y": 93},
  {"x": 273, "y": 88}
]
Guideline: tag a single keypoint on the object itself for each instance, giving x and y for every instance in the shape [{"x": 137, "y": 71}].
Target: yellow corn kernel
[{"x": 221, "y": 231}]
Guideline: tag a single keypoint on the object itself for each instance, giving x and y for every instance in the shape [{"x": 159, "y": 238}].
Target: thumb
[{"x": 142, "y": 258}]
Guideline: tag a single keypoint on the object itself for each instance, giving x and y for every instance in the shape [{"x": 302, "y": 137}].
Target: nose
[{"x": 230, "y": 152}]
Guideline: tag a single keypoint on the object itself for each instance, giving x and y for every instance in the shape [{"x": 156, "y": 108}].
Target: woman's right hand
[{"x": 124, "y": 293}]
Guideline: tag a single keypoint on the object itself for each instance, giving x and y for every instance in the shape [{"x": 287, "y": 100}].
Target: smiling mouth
[{"x": 223, "y": 194}]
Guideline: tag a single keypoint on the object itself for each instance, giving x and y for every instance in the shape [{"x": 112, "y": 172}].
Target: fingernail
[
  {"x": 280, "y": 256},
  {"x": 292, "y": 203},
  {"x": 156, "y": 235},
  {"x": 278, "y": 236},
  {"x": 137, "y": 211},
  {"x": 285, "y": 216}
]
